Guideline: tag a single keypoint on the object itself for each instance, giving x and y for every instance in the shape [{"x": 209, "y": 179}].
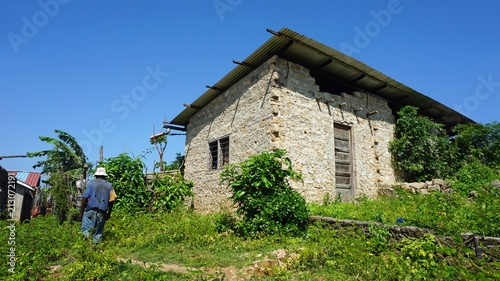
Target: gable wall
[
  {"x": 243, "y": 112},
  {"x": 276, "y": 106},
  {"x": 305, "y": 129}
]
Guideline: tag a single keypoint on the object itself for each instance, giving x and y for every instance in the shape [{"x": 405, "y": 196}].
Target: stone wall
[
  {"x": 243, "y": 113},
  {"x": 303, "y": 123},
  {"x": 279, "y": 105},
  {"x": 435, "y": 185},
  {"x": 482, "y": 245}
]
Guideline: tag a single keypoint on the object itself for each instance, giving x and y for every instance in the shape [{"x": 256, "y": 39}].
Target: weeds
[{"x": 45, "y": 250}]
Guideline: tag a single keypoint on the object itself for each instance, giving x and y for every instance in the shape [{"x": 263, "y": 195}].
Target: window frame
[{"x": 218, "y": 153}]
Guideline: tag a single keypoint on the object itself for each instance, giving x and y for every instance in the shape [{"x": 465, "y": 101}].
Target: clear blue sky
[{"x": 108, "y": 71}]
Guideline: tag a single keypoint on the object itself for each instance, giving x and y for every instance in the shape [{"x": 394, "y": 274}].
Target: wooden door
[{"x": 343, "y": 162}]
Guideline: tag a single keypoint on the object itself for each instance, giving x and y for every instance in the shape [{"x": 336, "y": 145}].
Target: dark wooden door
[{"x": 343, "y": 162}]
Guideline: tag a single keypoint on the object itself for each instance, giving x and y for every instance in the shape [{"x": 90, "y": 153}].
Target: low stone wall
[
  {"x": 432, "y": 186},
  {"x": 480, "y": 244},
  {"x": 426, "y": 187}
]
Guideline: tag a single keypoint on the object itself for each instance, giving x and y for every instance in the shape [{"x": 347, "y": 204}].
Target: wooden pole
[{"x": 101, "y": 155}]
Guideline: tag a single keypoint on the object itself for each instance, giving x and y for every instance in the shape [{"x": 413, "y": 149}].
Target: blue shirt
[{"x": 97, "y": 192}]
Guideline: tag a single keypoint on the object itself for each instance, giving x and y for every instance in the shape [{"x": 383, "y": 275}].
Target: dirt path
[
  {"x": 230, "y": 272},
  {"x": 264, "y": 266}
]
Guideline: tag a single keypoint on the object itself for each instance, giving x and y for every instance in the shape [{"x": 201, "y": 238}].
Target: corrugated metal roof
[
  {"x": 30, "y": 178},
  {"x": 319, "y": 57}
]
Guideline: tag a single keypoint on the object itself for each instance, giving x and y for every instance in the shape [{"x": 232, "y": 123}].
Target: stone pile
[{"x": 427, "y": 187}]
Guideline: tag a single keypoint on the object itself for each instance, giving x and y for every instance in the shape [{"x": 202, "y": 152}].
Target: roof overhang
[
  {"x": 25, "y": 185},
  {"x": 318, "y": 57}
]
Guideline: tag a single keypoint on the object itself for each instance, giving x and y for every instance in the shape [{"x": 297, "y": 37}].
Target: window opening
[{"x": 219, "y": 153}]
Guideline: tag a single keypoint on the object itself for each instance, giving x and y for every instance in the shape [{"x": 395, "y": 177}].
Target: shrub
[
  {"x": 168, "y": 191},
  {"x": 479, "y": 141},
  {"x": 127, "y": 177},
  {"x": 263, "y": 196},
  {"x": 473, "y": 176},
  {"x": 60, "y": 193},
  {"x": 421, "y": 149}
]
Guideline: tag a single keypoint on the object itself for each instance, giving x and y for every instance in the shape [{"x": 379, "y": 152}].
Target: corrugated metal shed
[
  {"x": 327, "y": 61},
  {"x": 30, "y": 178}
]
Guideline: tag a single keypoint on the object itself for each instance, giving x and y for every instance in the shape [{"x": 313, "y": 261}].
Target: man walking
[{"x": 97, "y": 204}]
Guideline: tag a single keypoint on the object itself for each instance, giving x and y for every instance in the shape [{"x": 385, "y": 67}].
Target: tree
[
  {"x": 479, "y": 141},
  {"x": 135, "y": 193},
  {"x": 177, "y": 164},
  {"x": 66, "y": 156},
  {"x": 421, "y": 148},
  {"x": 160, "y": 143},
  {"x": 64, "y": 163}
]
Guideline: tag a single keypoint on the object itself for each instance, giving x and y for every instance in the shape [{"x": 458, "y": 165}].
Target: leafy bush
[
  {"x": 168, "y": 191},
  {"x": 473, "y": 176},
  {"x": 263, "y": 196},
  {"x": 60, "y": 194},
  {"x": 127, "y": 177},
  {"x": 135, "y": 193},
  {"x": 380, "y": 236},
  {"x": 421, "y": 148},
  {"x": 479, "y": 141}
]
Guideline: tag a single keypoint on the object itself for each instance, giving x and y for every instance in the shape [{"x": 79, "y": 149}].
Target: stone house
[{"x": 333, "y": 114}]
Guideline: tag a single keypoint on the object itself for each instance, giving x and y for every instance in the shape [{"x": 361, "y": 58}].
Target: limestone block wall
[
  {"x": 304, "y": 125},
  {"x": 279, "y": 105},
  {"x": 244, "y": 114}
]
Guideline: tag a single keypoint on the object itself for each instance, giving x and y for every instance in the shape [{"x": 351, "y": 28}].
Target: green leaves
[
  {"x": 421, "y": 149},
  {"x": 168, "y": 191},
  {"x": 480, "y": 141},
  {"x": 263, "y": 196},
  {"x": 127, "y": 177},
  {"x": 136, "y": 194}
]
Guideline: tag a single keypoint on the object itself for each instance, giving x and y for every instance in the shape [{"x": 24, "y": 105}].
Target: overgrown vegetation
[
  {"x": 479, "y": 141},
  {"x": 420, "y": 148},
  {"x": 65, "y": 163},
  {"x": 126, "y": 174},
  {"x": 168, "y": 192},
  {"x": 185, "y": 240},
  {"x": 446, "y": 214},
  {"x": 263, "y": 197},
  {"x": 275, "y": 241},
  {"x": 137, "y": 194}
]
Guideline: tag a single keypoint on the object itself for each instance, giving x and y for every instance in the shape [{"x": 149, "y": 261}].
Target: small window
[{"x": 219, "y": 153}]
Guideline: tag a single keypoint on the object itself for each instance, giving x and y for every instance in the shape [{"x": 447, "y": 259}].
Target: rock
[
  {"x": 439, "y": 182},
  {"x": 495, "y": 183},
  {"x": 423, "y": 191},
  {"x": 405, "y": 186},
  {"x": 448, "y": 191},
  {"x": 473, "y": 194},
  {"x": 434, "y": 188},
  {"x": 417, "y": 185}
]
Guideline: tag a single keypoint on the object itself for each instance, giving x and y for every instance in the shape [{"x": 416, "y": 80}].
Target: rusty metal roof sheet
[
  {"x": 316, "y": 56},
  {"x": 30, "y": 178}
]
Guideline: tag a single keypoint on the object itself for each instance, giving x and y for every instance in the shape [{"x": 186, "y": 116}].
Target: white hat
[{"x": 100, "y": 172}]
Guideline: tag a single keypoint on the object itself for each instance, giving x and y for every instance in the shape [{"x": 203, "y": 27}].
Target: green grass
[
  {"x": 446, "y": 214},
  {"x": 191, "y": 240}
]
